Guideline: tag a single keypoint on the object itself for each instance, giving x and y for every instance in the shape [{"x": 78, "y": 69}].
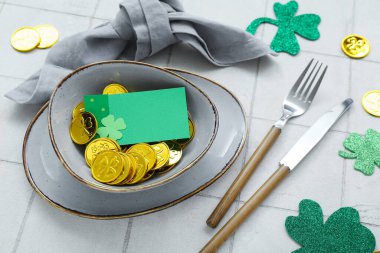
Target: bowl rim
[
  {"x": 58, "y": 206},
  {"x": 137, "y": 187}
]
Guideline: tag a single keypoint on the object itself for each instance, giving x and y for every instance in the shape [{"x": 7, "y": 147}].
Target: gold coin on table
[
  {"x": 49, "y": 35},
  {"x": 355, "y": 46},
  {"x": 107, "y": 166},
  {"x": 175, "y": 153},
  {"x": 162, "y": 154},
  {"x": 126, "y": 170},
  {"x": 78, "y": 109},
  {"x": 183, "y": 142},
  {"x": 141, "y": 167},
  {"x": 25, "y": 39},
  {"x": 98, "y": 145},
  {"x": 83, "y": 128},
  {"x": 146, "y": 151},
  {"x": 371, "y": 102},
  {"x": 114, "y": 88}
]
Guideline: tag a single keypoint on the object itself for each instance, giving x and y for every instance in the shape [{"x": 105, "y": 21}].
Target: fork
[{"x": 295, "y": 104}]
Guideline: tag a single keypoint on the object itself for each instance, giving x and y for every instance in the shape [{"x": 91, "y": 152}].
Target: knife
[{"x": 288, "y": 163}]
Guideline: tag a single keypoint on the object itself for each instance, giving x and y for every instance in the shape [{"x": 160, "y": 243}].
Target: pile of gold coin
[
  {"x": 27, "y": 38},
  {"x": 115, "y": 165}
]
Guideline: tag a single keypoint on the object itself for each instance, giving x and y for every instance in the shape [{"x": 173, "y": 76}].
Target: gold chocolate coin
[
  {"x": 162, "y": 154},
  {"x": 78, "y": 109},
  {"x": 98, "y": 145},
  {"x": 148, "y": 175},
  {"x": 183, "y": 142},
  {"x": 175, "y": 152},
  {"x": 141, "y": 167},
  {"x": 114, "y": 88},
  {"x": 132, "y": 171},
  {"x": 126, "y": 170},
  {"x": 146, "y": 151},
  {"x": 107, "y": 166},
  {"x": 83, "y": 128},
  {"x": 49, "y": 35},
  {"x": 25, "y": 39},
  {"x": 371, "y": 102},
  {"x": 355, "y": 46}
]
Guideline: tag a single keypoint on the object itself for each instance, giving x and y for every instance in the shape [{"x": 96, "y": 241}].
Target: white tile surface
[
  {"x": 79, "y": 7},
  {"x": 107, "y": 9},
  {"x": 23, "y": 65},
  {"x": 320, "y": 181},
  {"x": 15, "y": 194},
  {"x": 366, "y": 17},
  {"x": 56, "y": 231},
  {"x": 15, "y": 120},
  {"x": 181, "y": 228},
  {"x": 264, "y": 231}
]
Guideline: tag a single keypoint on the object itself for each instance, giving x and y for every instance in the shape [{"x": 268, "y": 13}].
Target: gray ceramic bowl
[{"x": 136, "y": 76}]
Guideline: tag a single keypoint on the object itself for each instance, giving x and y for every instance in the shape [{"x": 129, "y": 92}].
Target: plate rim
[
  {"x": 152, "y": 210},
  {"x": 130, "y": 188}
]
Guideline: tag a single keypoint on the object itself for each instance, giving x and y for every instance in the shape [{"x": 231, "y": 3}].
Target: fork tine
[
  {"x": 306, "y": 91},
  {"x": 315, "y": 89},
  {"x": 306, "y": 82},
  {"x": 299, "y": 80}
]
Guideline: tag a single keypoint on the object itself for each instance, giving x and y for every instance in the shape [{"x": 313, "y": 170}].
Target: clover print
[
  {"x": 365, "y": 149},
  {"x": 341, "y": 233},
  {"x": 285, "y": 40},
  {"x": 111, "y": 127}
]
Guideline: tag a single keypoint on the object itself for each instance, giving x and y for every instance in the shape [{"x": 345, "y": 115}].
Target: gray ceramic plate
[
  {"x": 52, "y": 182},
  {"x": 137, "y": 76}
]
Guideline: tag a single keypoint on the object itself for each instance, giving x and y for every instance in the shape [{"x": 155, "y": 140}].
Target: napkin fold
[{"x": 140, "y": 29}]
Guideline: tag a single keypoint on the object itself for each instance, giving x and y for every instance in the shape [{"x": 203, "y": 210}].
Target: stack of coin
[
  {"x": 115, "y": 165},
  {"x": 27, "y": 38}
]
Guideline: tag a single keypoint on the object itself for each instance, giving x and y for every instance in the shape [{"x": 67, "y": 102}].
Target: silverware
[
  {"x": 295, "y": 104},
  {"x": 295, "y": 155}
]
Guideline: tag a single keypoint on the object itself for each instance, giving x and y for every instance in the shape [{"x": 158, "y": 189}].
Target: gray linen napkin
[{"x": 140, "y": 29}]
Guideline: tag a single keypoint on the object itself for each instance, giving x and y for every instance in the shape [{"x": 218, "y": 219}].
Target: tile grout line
[
  {"x": 127, "y": 235},
  {"x": 93, "y": 14},
  {"x": 24, "y": 219},
  {"x": 342, "y": 195},
  {"x": 11, "y": 162},
  {"x": 42, "y": 9}
]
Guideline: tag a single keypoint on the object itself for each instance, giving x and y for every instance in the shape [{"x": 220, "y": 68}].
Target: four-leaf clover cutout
[
  {"x": 112, "y": 127},
  {"x": 285, "y": 40}
]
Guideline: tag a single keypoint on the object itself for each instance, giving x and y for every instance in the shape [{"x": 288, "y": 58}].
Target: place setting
[{"x": 117, "y": 137}]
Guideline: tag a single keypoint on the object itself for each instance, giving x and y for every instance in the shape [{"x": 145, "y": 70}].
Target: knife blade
[{"x": 315, "y": 133}]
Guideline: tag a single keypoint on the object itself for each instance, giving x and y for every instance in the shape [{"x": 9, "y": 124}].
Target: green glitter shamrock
[
  {"x": 111, "y": 127},
  {"x": 341, "y": 233},
  {"x": 305, "y": 25},
  {"x": 365, "y": 149}
]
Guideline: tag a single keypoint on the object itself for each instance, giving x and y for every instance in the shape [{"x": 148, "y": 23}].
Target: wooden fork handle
[
  {"x": 241, "y": 215},
  {"x": 242, "y": 179}
]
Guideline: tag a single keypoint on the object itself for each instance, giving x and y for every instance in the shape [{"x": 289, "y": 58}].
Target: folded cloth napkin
[{"x": 140, "y": 29}]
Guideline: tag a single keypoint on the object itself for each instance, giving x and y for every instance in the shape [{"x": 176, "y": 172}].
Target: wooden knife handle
[
  {"x": 242, "y": 179},
  {"x": 222, "y": 235}
]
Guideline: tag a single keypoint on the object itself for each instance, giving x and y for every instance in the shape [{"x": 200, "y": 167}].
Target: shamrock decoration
[
  {"x": 305, "y": 25},
  {"x": 111, "y": 127},
  {"x": 342, "y": 232},
  {"x": 365, "y": 149}
]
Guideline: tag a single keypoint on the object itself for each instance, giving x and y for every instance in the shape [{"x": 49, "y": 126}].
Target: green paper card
[{"x": 146, "y": 116}]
